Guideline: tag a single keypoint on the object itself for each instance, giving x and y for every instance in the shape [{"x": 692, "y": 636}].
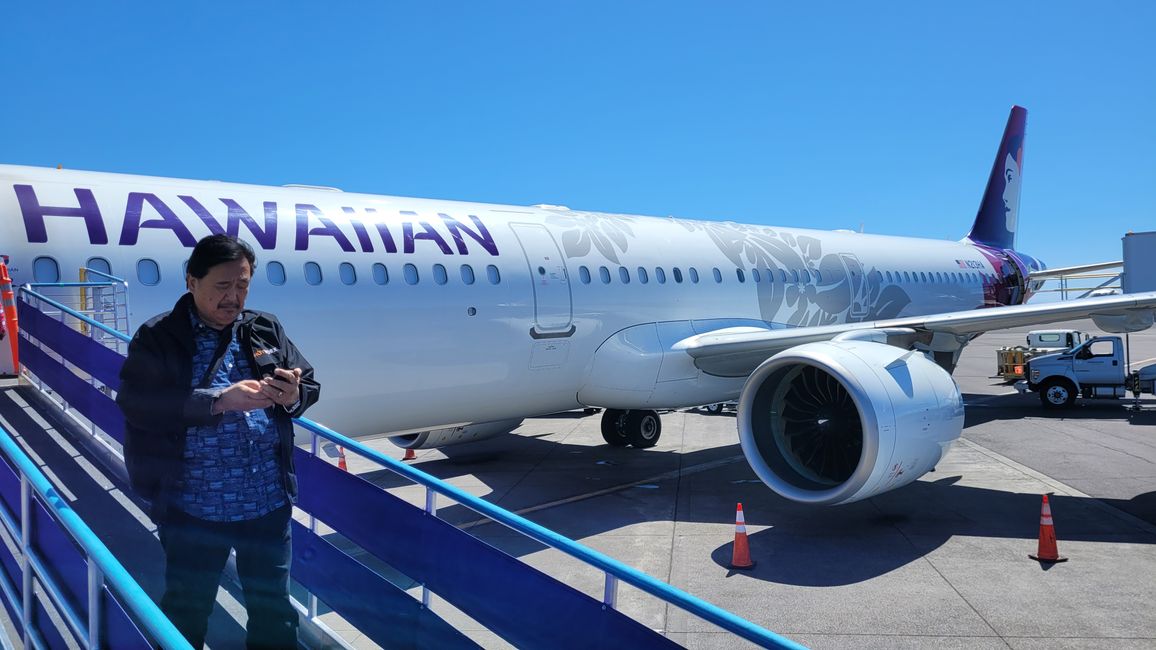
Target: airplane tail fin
[{"x": 995, "y": 222}]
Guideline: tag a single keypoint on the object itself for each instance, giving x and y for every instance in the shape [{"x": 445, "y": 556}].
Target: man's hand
[
  {"x": 242, "y": 396},
  {"x": 283, "y": 387}
]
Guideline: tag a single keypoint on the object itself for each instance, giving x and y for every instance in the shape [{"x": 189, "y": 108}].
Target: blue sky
[{"x": 824, "y": 115}]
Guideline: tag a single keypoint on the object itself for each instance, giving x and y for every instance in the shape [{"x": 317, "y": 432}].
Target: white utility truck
[{"x": 1094, "y": 370}]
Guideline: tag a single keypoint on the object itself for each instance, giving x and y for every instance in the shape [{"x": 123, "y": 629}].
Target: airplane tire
[
  {"x": 714, "y": 409},
  {"x": 614, "y": 427},
  {"x": 643, "y": 428},
  {"x": 1057, "y": 393}
]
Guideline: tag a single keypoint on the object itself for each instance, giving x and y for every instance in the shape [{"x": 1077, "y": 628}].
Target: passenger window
[
  {"x": 45, "y": 269},
  {"x": 923, "y": 276},
  {"x": 795, "y": 276},
  {"x": 783, "y": 275},
  {"x": 889, "y": 276},
  {"x": 818, "y": 278},
  {"x": 409, "y": 272},
  {"x": 380, "y": 273},
  {"x": 659, "y": 275},
  {"x": 624, "y": 275},
  {"x": 717, "y": 275},
  {"x": 99, "y": 264},
  {"x": 313, "y": 273},
  {"x": 493, "y": 275},
  {"x": 347, "y": 273},
  {"x": 677, "y": 275},
  {"x": 147, "y": 272},
  {"x": 807, "y": 276},
  {"x": 440, "y": 275},
  {"x": 604, "y": 273},
  {"x": 693, "y": 274},
  {"x": 584, "y": 274},
  {"x": 275, "y": 272},
  {"x": 758, "y": 277},
  {"x": 467, "y": 274},
  {"x": 642, "y": 276},
  {"x": 740, "y": 275}
]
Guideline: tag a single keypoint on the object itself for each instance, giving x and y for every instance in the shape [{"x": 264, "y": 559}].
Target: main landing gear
[{"x": 639, "y": 429}]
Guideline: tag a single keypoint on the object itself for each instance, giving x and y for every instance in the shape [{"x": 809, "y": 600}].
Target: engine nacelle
[
  {"x": 455, "y": 435},
  {"x": 838, "y": 421}
]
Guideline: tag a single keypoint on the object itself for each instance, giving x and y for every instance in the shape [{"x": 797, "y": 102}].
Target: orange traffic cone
[
  {"x": 410, "y": 454},
  {"x": 741, "y": 558},
  {"x": 1047, "y": 550},
  {"x": 341, "y": 460},
  {"x": 11, "y": 322}
]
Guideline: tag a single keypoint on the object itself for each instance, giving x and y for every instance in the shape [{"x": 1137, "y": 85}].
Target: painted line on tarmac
[
  {"x": 693, "y": 469},
  {"x": 1061, "y": 488}
]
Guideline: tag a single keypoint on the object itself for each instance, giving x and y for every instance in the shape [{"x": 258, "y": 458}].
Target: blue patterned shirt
[{"x": 231, "y": 470}]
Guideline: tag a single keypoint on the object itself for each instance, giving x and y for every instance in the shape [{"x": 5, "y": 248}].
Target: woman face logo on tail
[{"x": 1011, "y": 191}]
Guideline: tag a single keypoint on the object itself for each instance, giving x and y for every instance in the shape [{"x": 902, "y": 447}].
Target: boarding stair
[{"x": 394, "y": 573}]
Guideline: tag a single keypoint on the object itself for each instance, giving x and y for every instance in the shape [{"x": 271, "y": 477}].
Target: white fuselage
[{"x": 550, "y": 287}]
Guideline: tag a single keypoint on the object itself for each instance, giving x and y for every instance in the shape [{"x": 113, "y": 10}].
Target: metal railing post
[
  {"x": 95, "y": 589},
  {"x": 610, "y": 592},
  {"x": 314, "y": 447},
  {"x": 25, "y": 559},
  {"x": 431, "y": 508}
]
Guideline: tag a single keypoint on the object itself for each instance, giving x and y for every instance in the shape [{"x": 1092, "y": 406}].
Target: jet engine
[
  {"x": 843, "y": 420},
  {"x": 455, "y": 435}
]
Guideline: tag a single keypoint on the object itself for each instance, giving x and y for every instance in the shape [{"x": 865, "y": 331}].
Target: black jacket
[{"x": 160, "y": 404}]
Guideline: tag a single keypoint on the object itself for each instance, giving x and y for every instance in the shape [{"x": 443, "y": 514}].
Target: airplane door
[{"x": 553, "y": 311}]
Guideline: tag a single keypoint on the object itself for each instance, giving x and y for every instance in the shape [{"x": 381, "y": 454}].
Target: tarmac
[{"x": 940, "y": 563}]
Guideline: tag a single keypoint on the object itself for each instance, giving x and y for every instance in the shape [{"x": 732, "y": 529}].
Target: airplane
[{"x": 437, "y": 322}]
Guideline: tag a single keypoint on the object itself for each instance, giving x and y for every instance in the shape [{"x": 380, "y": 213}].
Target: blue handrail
[
  {"x": 628, "y": 574},
  {"x": 139, "y": 603}
]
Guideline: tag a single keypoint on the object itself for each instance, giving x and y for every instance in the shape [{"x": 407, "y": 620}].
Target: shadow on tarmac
[
  {"x": 986, "y": 408},
  {"x": 801, "y": 545}
]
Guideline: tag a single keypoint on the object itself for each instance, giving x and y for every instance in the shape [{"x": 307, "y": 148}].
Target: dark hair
[{"x": 218, "y": 249}]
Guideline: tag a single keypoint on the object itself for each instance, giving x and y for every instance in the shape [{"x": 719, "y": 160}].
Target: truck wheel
[{"x": 1057, "y": 393}]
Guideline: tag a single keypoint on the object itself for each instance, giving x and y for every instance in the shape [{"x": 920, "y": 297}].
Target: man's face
[{"x": 220, "y": 295}]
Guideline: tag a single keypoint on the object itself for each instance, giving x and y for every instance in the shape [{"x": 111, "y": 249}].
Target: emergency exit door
[{"x": 553, "y": 311}]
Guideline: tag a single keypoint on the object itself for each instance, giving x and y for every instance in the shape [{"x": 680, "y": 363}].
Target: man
[{"x": 208, "y": 392}]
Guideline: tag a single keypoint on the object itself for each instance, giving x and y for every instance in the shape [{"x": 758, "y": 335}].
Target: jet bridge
[{"x": 395, "y": 572}]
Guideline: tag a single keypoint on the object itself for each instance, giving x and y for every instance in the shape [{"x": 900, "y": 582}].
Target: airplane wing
[
  {"x": 1047, "y": 274},
  {"x": 736, "y": 352}
]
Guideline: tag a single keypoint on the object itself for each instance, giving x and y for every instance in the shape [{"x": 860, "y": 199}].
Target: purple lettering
[
  {"x": 386, "y": 237},
  {"x": 327, "y": 228},
  {"x": 34, "y": 214},
  {"x": 408, "y": 237},
  {"x": 482, "y": 236},
  {"x": 168, "y": 220},
  {"x": 359, "y": 229},
  {"x": 266, "y": 237}
]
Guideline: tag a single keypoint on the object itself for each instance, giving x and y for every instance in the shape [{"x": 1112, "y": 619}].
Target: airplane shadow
[{"x": 800, "y": 545}]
